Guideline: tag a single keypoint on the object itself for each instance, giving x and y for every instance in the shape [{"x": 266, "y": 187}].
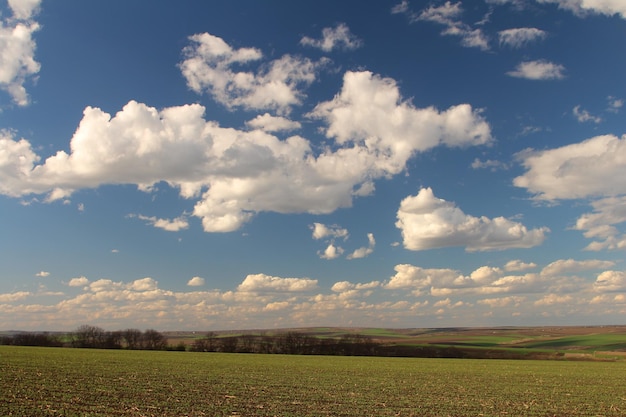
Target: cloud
[
  {"x": 448, "y": 15},
  {"x": 321, "y": 231},
  {"x": 601, "y": 223},
  {"x": 591, "y": 168},
  {"x": 615, "y": 104},
  {"x": 584, "y": 116},
  {"x": 331, "y": 252},
  {"x": 234, "y": 174},
  {"x": 610, "y": 281},
  {"x": 567, "y": 266},
  {"x": 270, "y": 123},
  {"x": 581, "y": 7},
  {"x": 519, "y": 37},
  {"x": 42, "y": 274},
  {"x": 365, "y": 250},
  {"x": 538, "y": 70},
  {"x": 338, "y": 37},
  {"x": 262, "y": 282},
  {"x": 17, "y": 49},
  {"x": 174, "y": 225},
  {"x": 428, "y": 222},
  {"x": 490, "y": 164},
  {"x": 277, "y": 86},
  {"x": 78, "y": 282},
  {"x": 195, "y": 282},
  {"x": 517, "y": 265},
  {"x": 15, "y": 296}
]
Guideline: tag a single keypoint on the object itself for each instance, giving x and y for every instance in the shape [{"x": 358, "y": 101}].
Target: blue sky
[{"x": 238, "y": 165}]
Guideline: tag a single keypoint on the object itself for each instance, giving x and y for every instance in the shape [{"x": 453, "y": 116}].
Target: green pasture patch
[
  {"x": 608, "y": 341},
  {"x": 83, "y": 382}
]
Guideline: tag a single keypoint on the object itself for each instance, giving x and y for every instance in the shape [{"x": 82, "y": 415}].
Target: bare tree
[
  {"x": 153, "y": 340},
  {"x": 132, "y": 338}
]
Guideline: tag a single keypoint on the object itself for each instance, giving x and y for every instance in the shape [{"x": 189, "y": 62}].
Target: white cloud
[
  {"x": 277, "y": 86},
  {"x": 365, "y": 250},
  {"x": 601, "y": 223},
  {"x": 583, "y": 115},
  {"x": 519, "y": 37},
  {"x": 174, "y": 225},
  {"x": 611, "y": 281},
  {"x": 262, "y": 282},
  {"x": 321, "y": 231},
  {"x": 15, "y": 296},
  {"x": 331, "y": 252},
  {"x": 591, "y": 168},
  {"x": 78, "y": 282},
  {"x": 196, "y": 282},
  {"x": 490, "y": 164},
  {"x": 538, "y": 70},
  {"x": 338, "y": 37},
  {"x": 17, "y": 50},
  {"x": 270, "y": 123},
  {"x": 552, "y": 299},
  {"x": 580, "y": 7},
  {"x": 615, "y": 104},
  {"x": 345, "y": 286},
  {"x": 448, "y": 15},
  {"x": 235, "y": 174},
  {"x": 567, "y": 266},
  {"x": 24, "y": 9},
  {"x": 42, "y": 274},
  {"x": 517, "y": 265},
  {"x": 428, "y": 222}
]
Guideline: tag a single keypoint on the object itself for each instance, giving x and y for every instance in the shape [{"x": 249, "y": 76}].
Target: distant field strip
[{"x": 86, "y": 382}]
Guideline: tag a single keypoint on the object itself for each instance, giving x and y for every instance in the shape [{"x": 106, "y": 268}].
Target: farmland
[{"x": 93, "y": 382}]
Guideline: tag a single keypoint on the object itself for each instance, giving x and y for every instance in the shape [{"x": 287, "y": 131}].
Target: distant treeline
[{"x": 291, "y": 342}]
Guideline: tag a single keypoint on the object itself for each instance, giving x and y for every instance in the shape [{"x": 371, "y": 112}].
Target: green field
[{"x": 86, "y": 382}]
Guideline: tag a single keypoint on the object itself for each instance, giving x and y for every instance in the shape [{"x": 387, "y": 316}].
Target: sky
[{"x": 240, "y": 164}]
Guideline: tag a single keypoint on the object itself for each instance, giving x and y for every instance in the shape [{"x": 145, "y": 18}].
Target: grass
[{"x": 82, "y": 382}]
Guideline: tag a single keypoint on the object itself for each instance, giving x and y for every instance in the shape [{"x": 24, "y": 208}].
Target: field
[{"x": 90, "y": 382}]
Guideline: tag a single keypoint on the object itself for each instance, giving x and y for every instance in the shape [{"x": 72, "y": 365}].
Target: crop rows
[{"x": 84, "y": 382}]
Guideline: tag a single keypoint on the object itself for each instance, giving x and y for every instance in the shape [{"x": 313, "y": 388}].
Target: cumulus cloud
[
  {"x": 262, "y": 282},
  {"x": 611, "y": 281},
  {"x": 173, "y": 225},
  {"x": 322, "y": 231},
  {"x": 591, "y": 168},
  {"x": 519, "y": 37},
  {"x": 234, "y": 173},
  {"x": 568, "y": 266},
  {"x": 331, "y": 252},
  {"x": 583, "y": 116},
  {"x": 601, "y": 224},
  {"x": 270, "y": 123},
  {"x": 428, "y": 222},
  {"x": 517, "y": 265},
  {"x": 538, "y": 70},
  {"x": 196, "y": 282},
  {"x": 42, "y": 274},
  {"x": 17, "y": 49},
  {"x": 208, "y": 67},
  {"x": 78, "y": 282},
  {"x": 338, "y": 37},
  {"x": 614, "y": 104}
]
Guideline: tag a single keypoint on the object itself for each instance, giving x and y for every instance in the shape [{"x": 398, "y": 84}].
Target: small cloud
[
  {"x": 519, "y": 37},
  {"x": 81, "y": 207},
  {"x": 115, "y": 251},
  {"x": 321, "y": 231},
  {"x": 615, "y": 104},
  {"x": 538, "y": 70},
  {"x": 517, "y": 265},
  {"x": 42, "y": 274},
  {"x": 332, "y": 38},
  {"x": 490, "y": 164},
  {"x": 174, "y": 225},
  {"x": 262, "y": 282},
  {"x": 269, "y": 123},
  {"x": 195, "y": 282},
  {"x": 583, "y": 115},
  {"x": 78, "y": 282},
  {"x": 331, "y": 252},
  {"x": 365, "y": 250}
]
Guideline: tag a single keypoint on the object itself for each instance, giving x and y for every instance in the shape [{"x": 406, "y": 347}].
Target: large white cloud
[
  {"x": 428, "y": 222},
  {"x": 607, "y": 7},
  {"x": 591, "y": 168},
  {"x": 17, "y": 49},
  {"x": 237, "y": 173}
]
